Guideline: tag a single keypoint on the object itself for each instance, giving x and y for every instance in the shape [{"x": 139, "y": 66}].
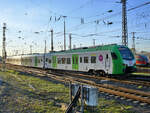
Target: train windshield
[{"x": 126, "y": 53}]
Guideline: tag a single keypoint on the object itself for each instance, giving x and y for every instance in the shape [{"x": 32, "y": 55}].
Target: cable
[
  {"x": 82, "y": 6},
  {"x": 111, "y": 16}
]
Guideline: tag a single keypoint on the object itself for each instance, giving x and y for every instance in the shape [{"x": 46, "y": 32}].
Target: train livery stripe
[
  {"x": 75, "y": 62},
  {"x": 54, "y": 62},
  {"x": 35, "y": 61}
]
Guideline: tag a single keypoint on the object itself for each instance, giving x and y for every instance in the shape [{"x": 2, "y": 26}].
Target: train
[
  {"x": 141, "y": 60},
  {"x": 110, "y": 59}
]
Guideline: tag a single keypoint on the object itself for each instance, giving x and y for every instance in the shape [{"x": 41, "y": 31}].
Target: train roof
[
  {"x": 110, "y": 47},
  {"x": 26, "y": 55}
]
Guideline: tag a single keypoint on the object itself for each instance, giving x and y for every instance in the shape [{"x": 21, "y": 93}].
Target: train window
[
  {"x": 49, "y": 61},
  {"x": 107, "y": 56},
  {"x": 59, "y": 60},
  {"x": 93, "y": 59},
  {"x": 63, "y": 60},
  {"x": 85, "y": 59},
  {"x": 68, "y": 61},
  {"x": 39, "y": 61},
  {"x": 114, "y": 56},
  {"x": 76, "y": 60},
  {"x": 46, "y": 59},
  {"x": 126, "y": 53},
  {"x": 80, "y": 59}
]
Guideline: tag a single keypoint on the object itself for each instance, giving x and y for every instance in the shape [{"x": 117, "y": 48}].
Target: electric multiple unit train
[
  {"x": 141, "y": 60},
  {"x": 107, "y": 59}
]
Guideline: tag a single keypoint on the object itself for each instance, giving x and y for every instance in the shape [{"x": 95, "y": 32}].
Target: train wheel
[
  {"x": 100, "y": 73},
  {"x": 103, "y": 73}
]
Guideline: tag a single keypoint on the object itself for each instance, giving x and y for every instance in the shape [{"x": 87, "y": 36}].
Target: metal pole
[
  {"x": 52, "y": 47},
  {"x": 94, "y": 42},
  {"x": 133, "y": 46},
  {"x": 70, "y": 41},
  {"x": 45, "y": 47},
  {"x": 64, "y": 33},
  {"x": 82, "y": 101},
  {"x": 124, "y": 24},
  {"x": 4, "y": 49},
  {"x": 30, "y": 49},
  {"x": 44, "y": 55},
  {"x": 70, "y": 93}
]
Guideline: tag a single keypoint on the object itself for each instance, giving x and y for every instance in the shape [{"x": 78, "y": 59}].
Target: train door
[
  {"x": 107, "y": 63},
  {"x": 54, "y": 61},
  {"x": 75, "y": 62},
  {"x": 35, "y": 61}
]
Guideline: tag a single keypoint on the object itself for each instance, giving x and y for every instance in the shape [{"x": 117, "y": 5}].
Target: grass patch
[
  {"x": 28, "y": 94},
  {"x": 110, "y": 106},
  {"x": 31, "y": 94}
]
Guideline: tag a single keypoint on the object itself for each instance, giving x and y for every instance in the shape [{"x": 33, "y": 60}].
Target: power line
[
  {"x": 80, "y": 7},
  {"x": 108, "y": 17},
  {"x": 147, "y": 3}
]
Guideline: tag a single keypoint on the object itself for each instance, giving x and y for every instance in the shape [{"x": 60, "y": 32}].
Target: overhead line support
[{"x": 124, "y": 24}]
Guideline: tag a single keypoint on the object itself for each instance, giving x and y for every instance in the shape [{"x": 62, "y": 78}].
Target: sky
[{"x": 29, "y": 23}]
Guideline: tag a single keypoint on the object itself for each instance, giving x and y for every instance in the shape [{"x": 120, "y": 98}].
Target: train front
[{"x": 128, "y": 59}]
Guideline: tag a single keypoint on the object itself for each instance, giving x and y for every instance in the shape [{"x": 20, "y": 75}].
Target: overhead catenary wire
[{"x": 108, "y": 17}]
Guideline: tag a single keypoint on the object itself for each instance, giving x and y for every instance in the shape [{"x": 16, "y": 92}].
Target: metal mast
[
  {"x": 70, "y": 41},
  {"x": 44, "y": 55},
  {"x": 64, "y": 33},
  {"x": 94, "y": 42},
  {"x": 133, "y": 46},
  {"x": 4, "y": 49},
  {"x": 52, "y": 47},
  {"x": 30, "y": 49},
  {"x": 124, "y": 24}
]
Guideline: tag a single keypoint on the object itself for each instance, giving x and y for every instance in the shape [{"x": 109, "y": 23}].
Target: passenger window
[
  {"x": 59, "y": 60},
  {"x": 39, "y": 61},
  {"x": 68, "y": 61},
  {"x": 107, "y": 56},
  {"x": 93, "y": 59},
  {"x": 46, "y": 59},
  {"x": 114, "y": 56},
  {"x": 76, "y": 60},
  {"x": 85, "y": 59},
  {"x": 80, "y": 59},
  {"x": 63, "y": 60},
  {"x": 49, "y": 61}
]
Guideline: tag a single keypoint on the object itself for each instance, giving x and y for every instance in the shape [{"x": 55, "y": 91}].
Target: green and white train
[{"x": 107, "y": 59}]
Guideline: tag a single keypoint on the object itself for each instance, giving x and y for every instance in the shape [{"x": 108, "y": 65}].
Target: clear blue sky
[{"x": 25, "y": 17}]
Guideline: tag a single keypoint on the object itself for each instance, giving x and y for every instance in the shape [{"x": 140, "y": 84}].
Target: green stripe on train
[
  {"x": 36, "y": 61},
  {"x": 75, "y": 62},
  {"x": 54, "y": 62}
]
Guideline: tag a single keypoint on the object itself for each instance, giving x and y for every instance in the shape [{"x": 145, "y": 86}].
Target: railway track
[
  {"x": 137, "y": 95},
  {"x": 143, "y": 69},
  {"x": 124, "y": 80}
]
